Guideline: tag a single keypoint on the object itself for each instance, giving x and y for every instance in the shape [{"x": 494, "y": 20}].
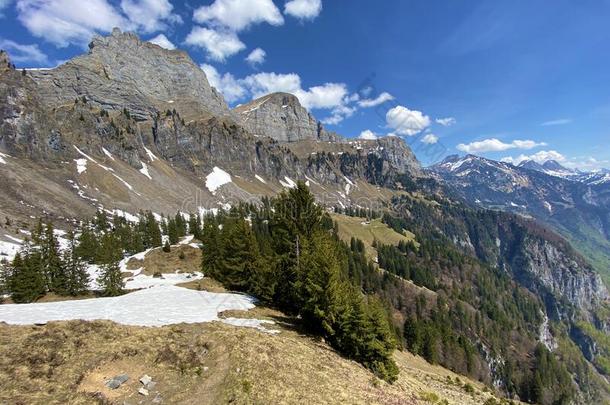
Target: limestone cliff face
[
  {"x": 121, "y": 71},
  {"x": 559, "y": 273},
  {"x": 280, "y": 116}
]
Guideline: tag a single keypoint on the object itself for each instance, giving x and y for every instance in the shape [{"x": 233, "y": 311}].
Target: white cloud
[
  {"x": 303, "y": 9},
  {"x": 382, "y": 98},
  {"x": 218, "y": 44},
  {"x": 162, "y": 41},
  {"x": 329, "y": 95},
  {"x": 406, "y": 122},
  {"x": 430, "y": 139},
  {"x": 23, "y": 53},
  {"x": 150, "y": 15},
  {"x": 367, "y": 134},
  {"x": 539, "y": 157},
  {"x": 495, "y": 145},
  {"x": 238, "y": 15},
  {"x": 340, "y": 113},
  {"x": 231, "y": 88},
  {"x": 446, "y": 122},
  {"x": 562, "y": 121},
  {"x": 65, "y": 22},
  {"x": 256, "y": 57}
]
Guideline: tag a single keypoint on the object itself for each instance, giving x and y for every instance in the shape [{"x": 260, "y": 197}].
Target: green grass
[{"x": 368, "y": 232}]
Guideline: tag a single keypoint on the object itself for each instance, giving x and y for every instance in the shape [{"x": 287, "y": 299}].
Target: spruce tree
[
  {"x": 77, "y": 278},
  {"x": 111, "y": 279},
  {"x": 26, "y": 282},
  {"x": 52, "y": 265}
]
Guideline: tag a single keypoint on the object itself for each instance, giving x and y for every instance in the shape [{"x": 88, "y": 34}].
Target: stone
[
  {"x": 143, "y": 391},
  {"x": 145, "y": 379},
  {"x": 116, "y": 381}
]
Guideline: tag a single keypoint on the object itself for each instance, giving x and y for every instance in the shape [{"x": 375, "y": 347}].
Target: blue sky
[{"x": 502, "y": 79}]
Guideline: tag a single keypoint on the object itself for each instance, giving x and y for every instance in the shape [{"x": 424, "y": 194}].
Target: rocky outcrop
[
  {"x": 280, "y": 116},
  {"x": 121, "y": 71},
  {"x": 560, "y": 273}
]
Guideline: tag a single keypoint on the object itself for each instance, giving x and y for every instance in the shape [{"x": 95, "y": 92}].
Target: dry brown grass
[
  {"x": 211, "y": 363},
  {"x": 158, "y": 261}
]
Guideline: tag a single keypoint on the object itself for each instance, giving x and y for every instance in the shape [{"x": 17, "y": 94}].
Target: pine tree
[
  {"x": 211, "y": 250},
  {"x": 26, "y": 282},
  {"x": 52, "y": 265},
  {"x": 77, "y": 278},
  {"x": 153, "y": 233},
  {"x": 111, "y": 279},
  {"x": 88, "y": 245},
  {"x": 166, "y": 247},
  {"x": 172, "y": 231}
]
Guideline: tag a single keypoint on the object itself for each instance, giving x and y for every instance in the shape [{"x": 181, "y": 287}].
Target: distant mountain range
[
  {"x": 554, "y": 168},
  {"x": 575, "y": 203}
]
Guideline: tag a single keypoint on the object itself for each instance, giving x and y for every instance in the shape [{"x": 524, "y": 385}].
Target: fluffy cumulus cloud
[
  {"x": 218, "y": 45},
  {"x": 303, "y": 9},
  {"x": 163, "y": 42},
  {"x": 367, "y": 134},
  {"x": 150, "y": 15},
  {"x": 24, "y": 53},
  {"x": 496, "y": 145},
  {"x": 539, "y": 157},
  {"x": 66, "y": 22},
  {"x": 231, "y": 88},
  {"x": 430, "y": 139},
  {"x": 256, "y": 57},
  {"x": 446, "y": 122},
  {"x": 406, "y": 122},
  {"x": 380, "y": 99},
  {"x": 238, "y": 15}
]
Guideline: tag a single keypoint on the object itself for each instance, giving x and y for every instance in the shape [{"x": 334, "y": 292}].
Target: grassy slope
[
  {"x": 68, "y": 362},
  {"x": 356, "y": 227}
]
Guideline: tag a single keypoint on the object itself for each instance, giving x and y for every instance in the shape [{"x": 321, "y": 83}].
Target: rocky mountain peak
[
  {"x": 5, "y": 60},
  {"x": 554, "y": 166},
  {"x": 121, "y": 71},
  {"x": 531, "y": 165},
  {"x": 282, "y": 117}
]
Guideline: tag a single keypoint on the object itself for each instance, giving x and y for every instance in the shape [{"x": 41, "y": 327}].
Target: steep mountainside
[
  {"x": 579, "y": 211},
  {"x": 98, "y": 136}
]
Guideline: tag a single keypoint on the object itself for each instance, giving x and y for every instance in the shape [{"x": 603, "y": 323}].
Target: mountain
[
  {"x": 554, "y": 168},
  {"x": 87, "y": 135},
  {"x": 280, "y": 116},
  {"x": 131, "y": 127},
  {"x": 578, "y": 210}
]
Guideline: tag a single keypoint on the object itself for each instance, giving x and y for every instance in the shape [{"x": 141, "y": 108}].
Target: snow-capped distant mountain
[
  {"x": 576, "y": 204},
  {"x": 554, "y": 168}
]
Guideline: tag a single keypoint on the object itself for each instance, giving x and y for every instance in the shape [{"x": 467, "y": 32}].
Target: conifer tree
[
  {"x": 52, "y": 265},
  {"x": 166, "y": 247},
  {"x": 111, "y": 279},
  {"x": 172, "y": 231},
  {"x": 26, "y": 282},
  {"x": 88, "y": 244},
  {"x": 77, "y": 278},
  {"x": 153, "y": 233}
]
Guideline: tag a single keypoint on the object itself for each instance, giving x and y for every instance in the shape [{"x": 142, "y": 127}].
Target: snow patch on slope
[
  {"x": 289, "y": 183},
  {"x": 155, "y": 306},
  {"x": 144, "y": 170},
  {"x": 217, "y": 178}
]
